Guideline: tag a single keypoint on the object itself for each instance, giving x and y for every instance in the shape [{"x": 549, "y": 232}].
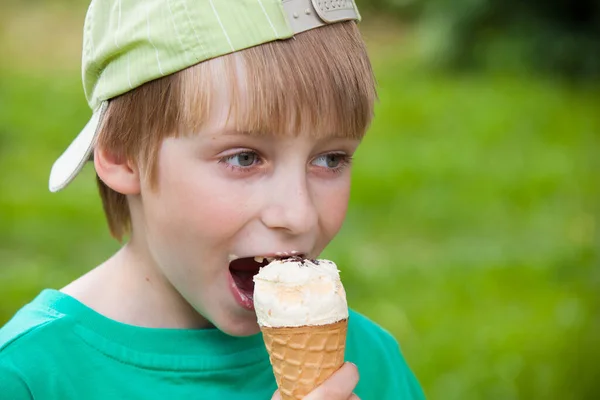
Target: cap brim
[{"x": 68, "y": 165}]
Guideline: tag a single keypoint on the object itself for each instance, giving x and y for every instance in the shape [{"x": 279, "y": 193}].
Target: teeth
[
  {"x": 261, "y": 259},
  {"x": 232, "y": 257}
]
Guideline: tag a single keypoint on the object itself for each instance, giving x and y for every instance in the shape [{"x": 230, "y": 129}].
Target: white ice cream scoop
[{"x": 296, "y": 292}]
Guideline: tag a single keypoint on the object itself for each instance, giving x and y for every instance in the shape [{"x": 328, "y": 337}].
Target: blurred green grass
[{"x": 471, "y": 233}]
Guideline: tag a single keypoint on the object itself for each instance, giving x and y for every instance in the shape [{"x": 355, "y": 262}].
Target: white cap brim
[{"x": 68, "y": 165}]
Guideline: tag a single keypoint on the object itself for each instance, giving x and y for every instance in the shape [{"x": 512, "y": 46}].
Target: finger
[
  {"x": 353, "y": 397},
  {"x": 276, "y": 396},
  {"x": 339, "y": 386}
]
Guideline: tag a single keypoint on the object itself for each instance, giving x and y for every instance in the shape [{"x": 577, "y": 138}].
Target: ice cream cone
[
  {"x": 303, "y": 357},
  {"x": 302, "y": 312}
]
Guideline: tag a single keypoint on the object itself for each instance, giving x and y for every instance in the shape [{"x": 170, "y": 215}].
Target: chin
[{"x": 238, "y": 326}]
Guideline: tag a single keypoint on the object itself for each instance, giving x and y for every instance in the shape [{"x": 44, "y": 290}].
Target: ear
[{"x": 118, "y": 173}]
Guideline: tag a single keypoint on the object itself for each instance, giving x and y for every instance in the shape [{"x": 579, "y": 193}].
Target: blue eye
[
  {"x": 243, "y": 159},
  {"x": 332, "y": 160}
]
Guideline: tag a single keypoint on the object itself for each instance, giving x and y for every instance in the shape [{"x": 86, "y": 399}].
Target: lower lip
[{"x": 239, "y": 296}]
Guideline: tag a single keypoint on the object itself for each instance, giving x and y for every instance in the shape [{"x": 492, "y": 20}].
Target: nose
[{"x": 290, "y": 206}]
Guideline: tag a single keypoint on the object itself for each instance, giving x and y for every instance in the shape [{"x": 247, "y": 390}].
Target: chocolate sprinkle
[{"x": 301, "y": 260}]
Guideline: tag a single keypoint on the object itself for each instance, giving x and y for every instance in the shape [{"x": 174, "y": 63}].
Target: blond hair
[{"x": 320, "y": 82}]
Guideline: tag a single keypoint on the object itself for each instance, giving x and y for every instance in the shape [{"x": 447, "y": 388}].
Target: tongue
[{"x": 244, "y": 282}]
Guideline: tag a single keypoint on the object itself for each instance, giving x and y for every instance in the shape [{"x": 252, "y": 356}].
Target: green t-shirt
[{"x": 56, "y": 348}]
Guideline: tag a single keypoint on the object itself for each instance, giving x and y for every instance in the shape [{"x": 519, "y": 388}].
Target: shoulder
[
  {"x": 361, "y": 328},
  {"x": 26, "y": 327},
  {"x": 368, "y": 339},
  {"x": 28, "y": 342},
  {"x": 384, "y": 372},
  {"x": 23, "y": 341},
  {"x": 13, "y": 384}
]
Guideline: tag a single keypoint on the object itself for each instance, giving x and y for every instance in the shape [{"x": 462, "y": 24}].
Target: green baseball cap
[{"x": 127, "y": 43}]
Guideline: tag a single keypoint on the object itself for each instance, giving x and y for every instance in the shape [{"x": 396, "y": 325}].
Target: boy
[{"x": 222, "y": 133}]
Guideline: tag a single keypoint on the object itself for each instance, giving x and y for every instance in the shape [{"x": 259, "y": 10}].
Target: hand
[{"x": 339, "y": 386}]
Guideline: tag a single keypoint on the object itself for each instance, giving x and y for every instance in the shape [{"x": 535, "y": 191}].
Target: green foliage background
[
  {"x": 472, "y": 233},
  {"x": 558, "y": 37}
]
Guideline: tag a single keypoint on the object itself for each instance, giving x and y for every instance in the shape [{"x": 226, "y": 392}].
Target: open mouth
[{"x": 243, "y": 270}]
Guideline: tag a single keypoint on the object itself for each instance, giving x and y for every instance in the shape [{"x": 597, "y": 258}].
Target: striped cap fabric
[{"x": 127, "y": 43}]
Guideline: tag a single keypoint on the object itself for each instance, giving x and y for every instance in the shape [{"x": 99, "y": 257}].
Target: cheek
[
  {"x": 191, "y": 203},
  {"x": 198, "y": 202},
  {"x": 333, "y": 204}
]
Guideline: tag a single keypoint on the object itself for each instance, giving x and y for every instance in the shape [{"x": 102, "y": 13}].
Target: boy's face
[{"x": 223, "y": 194}]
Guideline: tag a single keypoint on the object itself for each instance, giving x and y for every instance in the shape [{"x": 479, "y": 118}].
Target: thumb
[
  {"x": 339, "y": 386},
  {"x": 276, "y": 396}
]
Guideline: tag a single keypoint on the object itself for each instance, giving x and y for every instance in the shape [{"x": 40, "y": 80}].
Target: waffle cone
[{"x": 304, "y": 357}]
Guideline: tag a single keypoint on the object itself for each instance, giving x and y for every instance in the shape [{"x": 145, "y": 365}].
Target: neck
[{"x": 130, "y": 288}]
